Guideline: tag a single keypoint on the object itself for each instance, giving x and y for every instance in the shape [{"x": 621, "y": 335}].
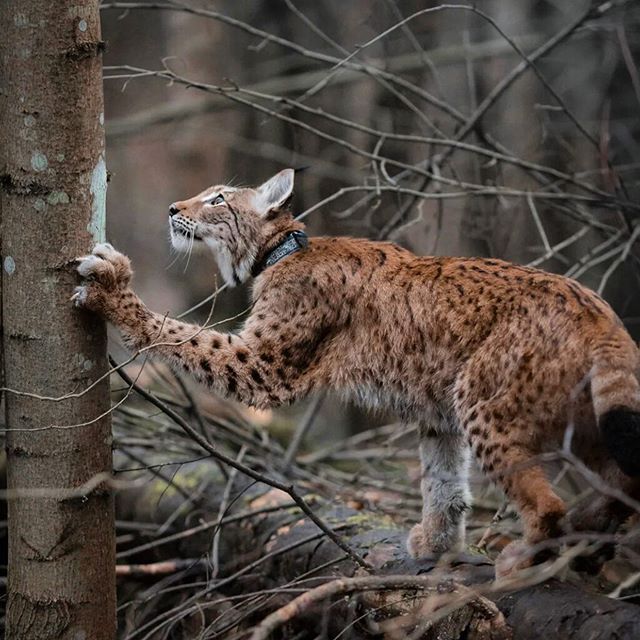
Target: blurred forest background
[{"x": 570, "y": 127}]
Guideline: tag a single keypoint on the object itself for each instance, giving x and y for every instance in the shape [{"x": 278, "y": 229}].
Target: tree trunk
[{"x": 53, "y": 184}]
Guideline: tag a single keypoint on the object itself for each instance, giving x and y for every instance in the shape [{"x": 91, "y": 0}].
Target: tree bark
[{"x": 53, "y": 183}]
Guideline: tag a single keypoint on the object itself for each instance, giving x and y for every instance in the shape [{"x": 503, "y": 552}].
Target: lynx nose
[{"x": 173, "y": 209}]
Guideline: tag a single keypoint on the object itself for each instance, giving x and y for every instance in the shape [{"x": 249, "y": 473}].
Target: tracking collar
[{"x": 293, "y": 241}]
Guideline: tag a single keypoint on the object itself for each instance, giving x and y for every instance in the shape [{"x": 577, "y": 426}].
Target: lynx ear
[{"x": 274, "y": 192}]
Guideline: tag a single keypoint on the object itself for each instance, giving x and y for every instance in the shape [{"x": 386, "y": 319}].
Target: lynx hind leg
[
  {"x": 444, "y": 461},
  {"x": 502, "y": 455},
  {"x": 541, "y": 511}
]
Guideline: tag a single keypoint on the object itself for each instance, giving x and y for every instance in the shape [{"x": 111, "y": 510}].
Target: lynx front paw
[
  {"x": 416, "y": 543},
  {"x": 425, "y": 541},
  {"x": 107, "y": 274}
]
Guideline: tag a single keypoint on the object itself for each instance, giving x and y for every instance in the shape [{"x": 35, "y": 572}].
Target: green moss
[
  {"x": 369, "y": 520},
  {"x": 477, "y": 551},
  {"x": 281, "y": 430},
  {"x": 188, "y": 480}
]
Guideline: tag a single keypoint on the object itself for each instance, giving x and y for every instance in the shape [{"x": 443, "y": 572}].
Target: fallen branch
[
  {"x": 163, "y": 568},
  {"x": 486, "y": 610}
]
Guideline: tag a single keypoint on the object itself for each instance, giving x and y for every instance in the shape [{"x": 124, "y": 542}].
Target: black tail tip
[{"x": 620, "y": 428}]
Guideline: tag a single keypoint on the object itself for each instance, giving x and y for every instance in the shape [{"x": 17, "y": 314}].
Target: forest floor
[{"x": 230, "y": 525}]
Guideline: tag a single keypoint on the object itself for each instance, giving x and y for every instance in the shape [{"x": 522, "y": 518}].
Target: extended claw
[{"x": 79, "y": 296}]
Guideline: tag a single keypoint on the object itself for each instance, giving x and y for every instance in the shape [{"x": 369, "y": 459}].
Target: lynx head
[{"x": 238, "y": 224}]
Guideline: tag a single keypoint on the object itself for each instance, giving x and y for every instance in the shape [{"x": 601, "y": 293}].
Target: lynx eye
[{"x": 219, "y": 199}]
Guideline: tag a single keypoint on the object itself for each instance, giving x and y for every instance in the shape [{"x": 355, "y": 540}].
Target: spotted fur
[{"x": 488, "y": 357}]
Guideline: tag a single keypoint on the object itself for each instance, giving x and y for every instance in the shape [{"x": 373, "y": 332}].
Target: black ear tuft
[{"x": 620, "y": 428}]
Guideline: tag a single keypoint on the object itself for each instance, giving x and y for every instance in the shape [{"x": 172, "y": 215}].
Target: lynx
[{"x": 488, "y": 358}]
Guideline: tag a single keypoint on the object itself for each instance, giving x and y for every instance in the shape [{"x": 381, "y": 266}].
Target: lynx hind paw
[
  {"x": 518, "y": 556},
  {"x": 515, "y": 557},
  {"x": 105, "y": 265}
]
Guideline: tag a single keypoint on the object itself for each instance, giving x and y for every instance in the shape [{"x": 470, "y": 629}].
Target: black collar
[{"x": 292, "y": 242}]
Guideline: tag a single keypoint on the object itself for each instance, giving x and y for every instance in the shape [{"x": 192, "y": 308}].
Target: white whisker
[
  {"x": 192, "y": 235},
  {"x": 175, "y": 258},
  {"x": 173, "y": 250}
]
